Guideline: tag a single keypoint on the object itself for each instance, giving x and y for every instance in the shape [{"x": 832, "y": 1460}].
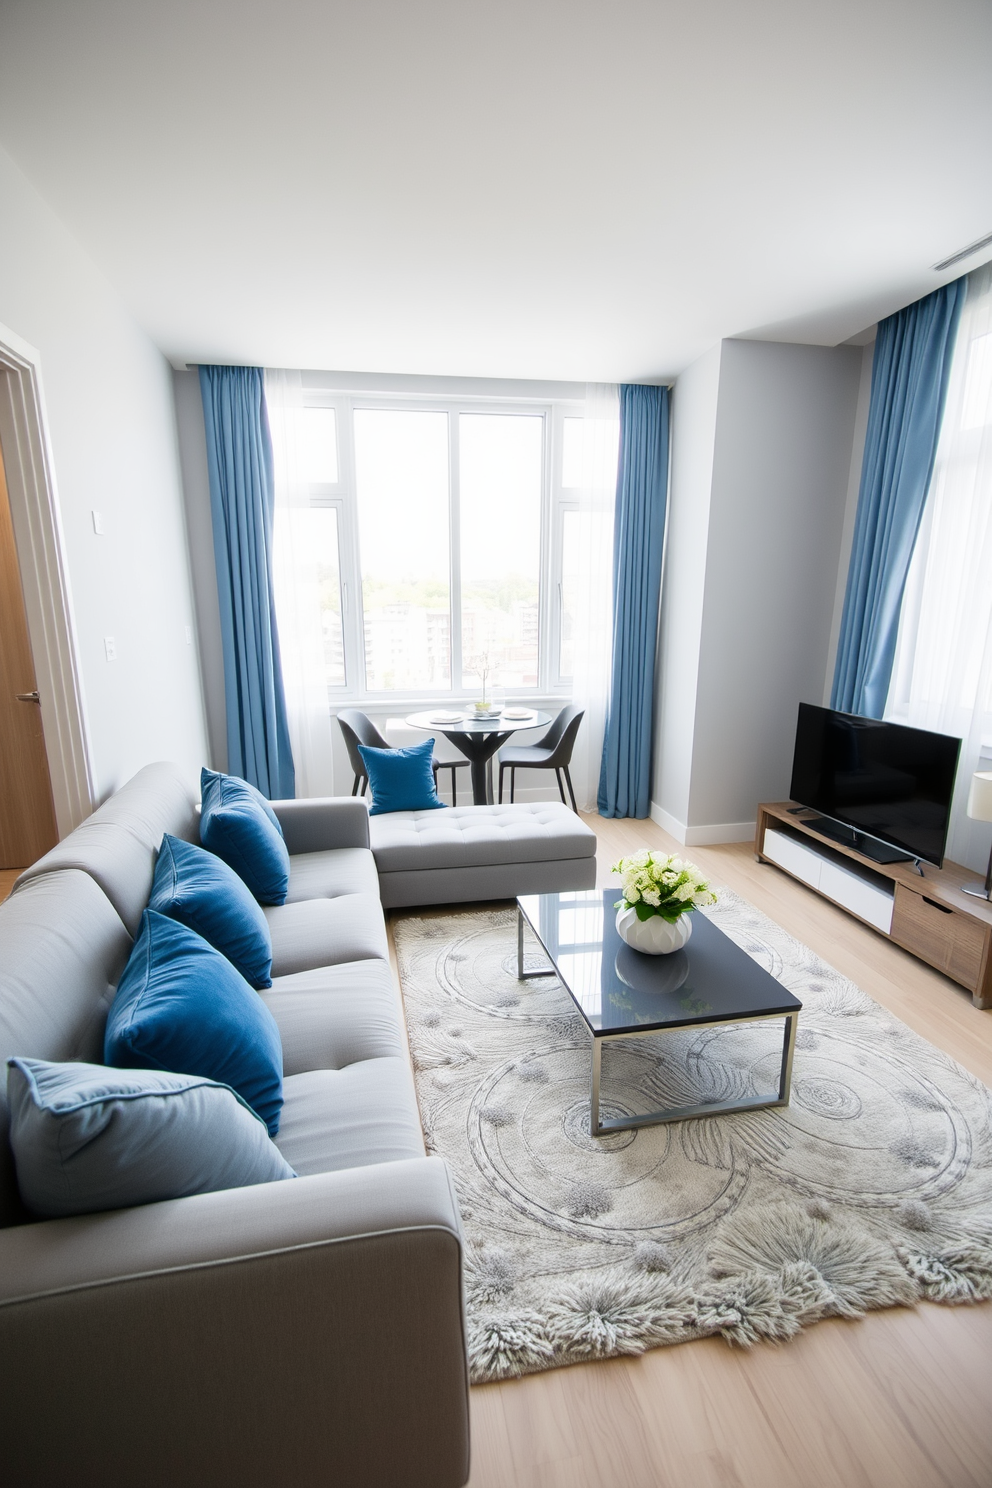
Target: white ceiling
[{"x": 588, "y": 189}]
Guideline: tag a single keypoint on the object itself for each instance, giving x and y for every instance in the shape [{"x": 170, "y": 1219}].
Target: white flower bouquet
[{"x": 664, "y": 886}]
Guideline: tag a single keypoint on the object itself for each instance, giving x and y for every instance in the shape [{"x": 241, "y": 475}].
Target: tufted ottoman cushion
[{"x": 481, "y": 852}]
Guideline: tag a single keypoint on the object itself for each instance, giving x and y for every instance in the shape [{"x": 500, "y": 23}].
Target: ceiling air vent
[{"x": 945, "y": 263}]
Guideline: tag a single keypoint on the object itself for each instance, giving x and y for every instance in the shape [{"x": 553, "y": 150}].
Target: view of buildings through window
[{"x": 438, "y": 525}]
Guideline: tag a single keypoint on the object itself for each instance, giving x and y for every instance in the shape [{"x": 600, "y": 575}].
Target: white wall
[
  {"x": 694, "y": 412},
  {"x": 756, "y": 640},
  {"x": 110, "y": 413}
]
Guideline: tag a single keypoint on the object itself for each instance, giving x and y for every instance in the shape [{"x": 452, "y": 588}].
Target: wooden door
[{"x": 27, "y": 815}]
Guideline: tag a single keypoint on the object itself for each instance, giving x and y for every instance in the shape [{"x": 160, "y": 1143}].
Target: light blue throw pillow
[
  {"x": 401, "y": 779},
  {"x": 180, "y": 1005},
  {"x": 238, "y": 824},
  {"x": 87, "y": 1138},
  {"x": 199, "y": 890}
]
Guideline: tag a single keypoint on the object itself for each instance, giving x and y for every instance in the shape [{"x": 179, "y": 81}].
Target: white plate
[
  {"x": 518, "y": 713},
  {"x": 446, "y": 718}
]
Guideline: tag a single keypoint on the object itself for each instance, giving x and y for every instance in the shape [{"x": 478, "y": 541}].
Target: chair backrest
[
  {"x": 560, "y": 738},
  {"x": 358, "y": 728}
]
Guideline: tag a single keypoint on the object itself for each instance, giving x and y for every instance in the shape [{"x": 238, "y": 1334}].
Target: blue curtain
[
  {"x": 239, "y": 461},
  {"x": 638, "y": 538},
  {"x": 909, "y": 376}
]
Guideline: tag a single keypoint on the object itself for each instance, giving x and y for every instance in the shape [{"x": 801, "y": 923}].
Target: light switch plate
[
  {"x": 110, "y": 646},
  {"x": 98, "y": 526}
]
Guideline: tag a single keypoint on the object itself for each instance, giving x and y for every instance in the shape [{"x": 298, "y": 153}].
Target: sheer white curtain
[
  {"x": 297, "y": 591},
  {"x": 592, "y": 635},
  {"x": 942, "y": 676}
]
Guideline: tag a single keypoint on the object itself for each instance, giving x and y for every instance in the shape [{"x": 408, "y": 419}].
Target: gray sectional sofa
[{"x": 299, "y": 1333}]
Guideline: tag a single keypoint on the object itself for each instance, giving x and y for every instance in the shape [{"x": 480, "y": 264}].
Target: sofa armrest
[
  {"x": 323, "y": 822},
  {"x": 304, "y": 1331}
]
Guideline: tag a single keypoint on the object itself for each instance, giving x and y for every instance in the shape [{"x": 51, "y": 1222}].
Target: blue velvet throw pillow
[
  {"x": 401, "y": 779},
  {"x": 238, "y": 824},
  {"x": 181, "y": 1006},
  {"x": 86, "y": 1138},
  {"x": 199, "y": 890}
]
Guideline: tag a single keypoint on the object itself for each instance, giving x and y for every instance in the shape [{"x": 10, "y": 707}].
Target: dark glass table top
[{"x": 618, "y": 989}]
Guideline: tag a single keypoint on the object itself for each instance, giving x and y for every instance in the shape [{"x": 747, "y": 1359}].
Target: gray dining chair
[
  {"x": 358, "y": 728},
  {"x": 552, "y": 752}
]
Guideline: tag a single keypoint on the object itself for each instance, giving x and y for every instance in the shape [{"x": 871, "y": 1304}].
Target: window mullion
[
  {"x": 547, "y": 591},
  {"x": 351, "y": 564},
  {"x": 455, "y": 547}
]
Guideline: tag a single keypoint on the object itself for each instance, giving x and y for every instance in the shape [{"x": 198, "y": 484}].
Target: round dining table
[{"x": 477, "y": 738}]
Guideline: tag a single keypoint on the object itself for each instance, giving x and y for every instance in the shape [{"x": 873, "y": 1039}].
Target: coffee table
[{"x": 623, "y": 994}]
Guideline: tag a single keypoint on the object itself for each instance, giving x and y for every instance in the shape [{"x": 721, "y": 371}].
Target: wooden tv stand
[{"x": 930, "y": 916}]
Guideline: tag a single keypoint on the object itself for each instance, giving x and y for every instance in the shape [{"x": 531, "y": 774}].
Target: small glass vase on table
[
  {"x": 485, "y": 706},
  {"x": 659, "y": 894}
]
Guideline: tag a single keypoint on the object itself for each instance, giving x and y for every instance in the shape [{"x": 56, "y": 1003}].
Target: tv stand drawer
[{"x": 953, "y": 943}]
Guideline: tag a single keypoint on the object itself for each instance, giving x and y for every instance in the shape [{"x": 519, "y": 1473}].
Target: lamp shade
[{"x": 980, "y": 796}]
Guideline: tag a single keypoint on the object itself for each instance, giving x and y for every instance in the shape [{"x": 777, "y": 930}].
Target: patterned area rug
[{"x": 873, "y": 1188}]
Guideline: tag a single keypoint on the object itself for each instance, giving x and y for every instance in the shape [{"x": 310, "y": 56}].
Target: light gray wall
[
  {"x": 780, "y": 457},
  {"x": 196, "y": 493},
  {"x": 108, "y": 395},
  {"x": 785, "y": 428},
  {"x": 694, "y": 413}
]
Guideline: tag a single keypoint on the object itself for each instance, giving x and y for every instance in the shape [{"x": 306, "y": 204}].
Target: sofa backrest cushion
[
  {"x": 238, "y": 824},
  {"x": 182, "y": 1006},
  {"x": 118, "y": 844},
  {"x": 87, "y": 1138},
  {"x": 199, "y": 890},
  {"x": 62, "y": 950}
]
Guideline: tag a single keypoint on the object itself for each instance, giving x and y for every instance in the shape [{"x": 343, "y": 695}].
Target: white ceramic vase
[{"x": 654, "y": 936}]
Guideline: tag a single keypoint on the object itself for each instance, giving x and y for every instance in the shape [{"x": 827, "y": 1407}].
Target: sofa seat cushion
[
  {"x": 326, "y": 875},
  {"x": 349, "y": 1118},
  {"x": 337, "y": 1015},
  {"x": 325, "y": 932},
  {"x": 477, "y": 836}
]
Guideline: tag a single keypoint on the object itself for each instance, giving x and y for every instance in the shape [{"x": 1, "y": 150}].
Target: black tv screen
[{"x": 891, "y": 782}]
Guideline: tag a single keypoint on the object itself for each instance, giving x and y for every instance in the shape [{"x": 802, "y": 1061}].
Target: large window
[
  {"x": 445, "y": 538},
  {"x": 501, "y": 481},
  {"x": 401, "y": 482}
]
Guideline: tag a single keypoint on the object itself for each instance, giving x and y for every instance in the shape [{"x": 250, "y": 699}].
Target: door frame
[{"x": 40, "y": 546}]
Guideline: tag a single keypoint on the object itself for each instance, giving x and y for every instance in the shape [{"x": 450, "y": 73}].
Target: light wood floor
[{"x": 900, "y": 1400}]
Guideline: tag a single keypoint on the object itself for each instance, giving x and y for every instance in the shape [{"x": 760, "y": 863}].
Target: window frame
[{"x": 343, "y": 495}]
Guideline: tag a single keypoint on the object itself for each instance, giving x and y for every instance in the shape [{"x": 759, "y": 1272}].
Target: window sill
[{"x": 417, "y": 704}]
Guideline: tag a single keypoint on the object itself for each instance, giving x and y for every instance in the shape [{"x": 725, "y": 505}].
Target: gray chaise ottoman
[{"x": 480, "y": 852}]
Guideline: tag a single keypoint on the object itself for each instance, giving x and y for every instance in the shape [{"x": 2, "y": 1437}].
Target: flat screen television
[{"x": 882, "y": 788}]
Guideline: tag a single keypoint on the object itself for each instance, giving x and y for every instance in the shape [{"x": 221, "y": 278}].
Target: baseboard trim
[
  {"x": 671, "y": 824},
  {"x": 704, "y": 836}
]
